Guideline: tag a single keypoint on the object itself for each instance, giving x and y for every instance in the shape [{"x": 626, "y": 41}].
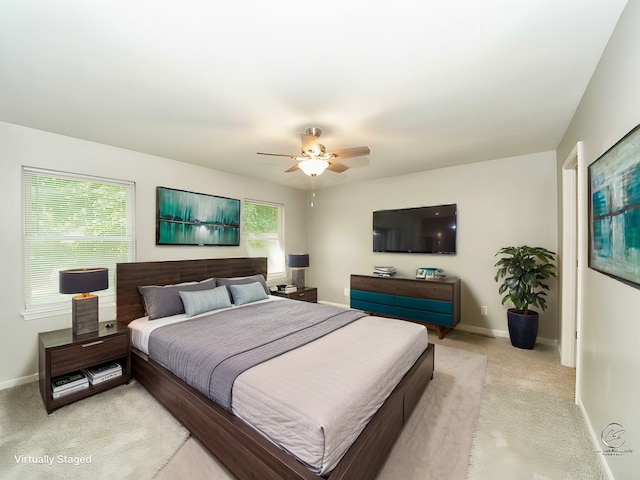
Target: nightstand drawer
[
  {"x": 308, "y": 296},
  {"x": 305, "y": 294},
  {"x": 85, "y": 354}
]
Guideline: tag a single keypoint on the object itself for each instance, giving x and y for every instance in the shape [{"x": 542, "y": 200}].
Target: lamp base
[
  {"x": 84, "y": 314},
  {"x": 297, "y": 277}
]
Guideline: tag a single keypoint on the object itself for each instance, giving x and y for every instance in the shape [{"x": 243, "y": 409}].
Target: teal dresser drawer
[
  {"x": 422, "y": 310},
  {"x": 435, "y": 306},
  {"x": 407, "y": 313}
]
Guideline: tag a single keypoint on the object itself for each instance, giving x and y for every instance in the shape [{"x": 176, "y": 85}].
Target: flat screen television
[{"x": 416, "y": 230}]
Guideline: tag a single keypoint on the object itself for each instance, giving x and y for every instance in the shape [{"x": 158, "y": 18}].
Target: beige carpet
[
  {"x": 529, "y": 425},
  {"x": 120, "y": 433},
  {"x": 435, "y": 443}
]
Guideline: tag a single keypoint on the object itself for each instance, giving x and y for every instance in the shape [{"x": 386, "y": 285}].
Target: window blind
[
  {"x": 263, "y": 226},
  {"x": 72, "y": 221}
]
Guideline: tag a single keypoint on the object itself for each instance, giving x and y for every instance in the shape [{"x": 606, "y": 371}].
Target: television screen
[{"x": 416, "y": 230}]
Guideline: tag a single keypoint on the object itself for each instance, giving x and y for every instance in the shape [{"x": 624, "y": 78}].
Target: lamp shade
[
  {"x": 84, "y": 280},
  {"x": 313, "y": 167},
  {"x": 298, "y": 260}
]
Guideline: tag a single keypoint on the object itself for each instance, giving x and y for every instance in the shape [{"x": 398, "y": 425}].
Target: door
[{"x": 569, "y": 276}]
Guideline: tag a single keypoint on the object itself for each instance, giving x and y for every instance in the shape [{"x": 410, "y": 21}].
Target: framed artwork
[
  {"x": 188, "y": 218},
  {"x": 614, "y": 211}
]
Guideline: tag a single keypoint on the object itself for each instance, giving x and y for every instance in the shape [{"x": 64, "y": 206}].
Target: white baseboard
[
  {"x": 490, "y": 332},
  {"x": 595, "y": 439},
  {"x": 18, "y": 381}
]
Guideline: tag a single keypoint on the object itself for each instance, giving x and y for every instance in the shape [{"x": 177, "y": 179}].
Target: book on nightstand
[
  {"x": 103, "y": 372},
  {"x": 69, "y": 383}
]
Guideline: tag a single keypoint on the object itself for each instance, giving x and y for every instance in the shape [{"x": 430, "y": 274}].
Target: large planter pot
[{"x": 523, "y": 329}]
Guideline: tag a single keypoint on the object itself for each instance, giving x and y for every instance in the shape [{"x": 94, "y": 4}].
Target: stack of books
[
  {"x": 69, "y": 383},
  {"x": 102, "y": 373},
  {"x": 384, "y": 271}
]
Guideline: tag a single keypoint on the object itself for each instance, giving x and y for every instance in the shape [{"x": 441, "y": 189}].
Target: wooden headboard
[{"x": 129, "y": 276}]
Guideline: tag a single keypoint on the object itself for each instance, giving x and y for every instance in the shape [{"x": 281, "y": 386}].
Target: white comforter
[{"x": 340, "y": 382}]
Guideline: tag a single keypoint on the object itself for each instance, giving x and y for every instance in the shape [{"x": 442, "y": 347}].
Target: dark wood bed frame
[{"x": 241, "y": 449}]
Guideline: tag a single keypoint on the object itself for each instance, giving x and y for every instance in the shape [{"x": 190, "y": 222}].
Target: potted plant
[{"x": 524, "y": 270}]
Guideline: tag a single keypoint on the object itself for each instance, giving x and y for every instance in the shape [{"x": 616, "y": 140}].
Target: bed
[{"x": 238, "y": 446}]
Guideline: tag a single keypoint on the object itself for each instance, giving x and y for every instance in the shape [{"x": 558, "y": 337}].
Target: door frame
[{"x": 570, "y": 279}]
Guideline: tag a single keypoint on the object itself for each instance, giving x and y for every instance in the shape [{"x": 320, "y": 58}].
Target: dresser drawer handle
[{"x": 92, "y": 344}]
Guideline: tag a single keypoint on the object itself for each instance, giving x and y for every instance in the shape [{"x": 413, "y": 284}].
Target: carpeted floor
[
  {"x": 120, "y": 433},
  {"x": 529, "y": 425},
  {"x": 434, "y": 444}
]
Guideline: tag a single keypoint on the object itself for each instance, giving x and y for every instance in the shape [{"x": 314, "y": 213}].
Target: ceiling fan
[{"x": 314, "y": 158}]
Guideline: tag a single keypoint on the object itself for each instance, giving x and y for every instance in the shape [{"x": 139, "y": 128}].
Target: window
[
  {"x": 264, "y": 234},
  {"x": 72, "y": 221}
]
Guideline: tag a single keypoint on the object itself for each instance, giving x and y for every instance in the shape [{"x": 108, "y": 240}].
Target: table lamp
[
  {"x": 298, "y": 263},
  {"x": 84, "y": 307}
]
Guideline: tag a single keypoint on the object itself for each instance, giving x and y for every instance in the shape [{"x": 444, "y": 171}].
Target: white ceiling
[{"x": 424, "y": 84}]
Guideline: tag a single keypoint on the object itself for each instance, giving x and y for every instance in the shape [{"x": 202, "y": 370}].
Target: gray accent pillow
[
  {"x": 164, "y": 301},
  {"x": 243, "y": 281},
  {"x": 247, "y": 293},
  {"x": 204, "y": 300}
]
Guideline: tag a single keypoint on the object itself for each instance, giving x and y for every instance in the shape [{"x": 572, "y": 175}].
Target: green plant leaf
[{"x": 523, "y": 269}]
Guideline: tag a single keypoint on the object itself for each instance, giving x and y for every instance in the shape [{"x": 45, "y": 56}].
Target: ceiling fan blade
[
  {"x": 337, "y": 167},
  {"x": 292, "y": 169},
  {"x": 310, "y": 144},
  {"x": 278, "y": 155},
  {"x": 350, "y": 152}
]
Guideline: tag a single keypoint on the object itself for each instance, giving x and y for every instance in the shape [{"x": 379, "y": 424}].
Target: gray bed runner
[{"x": 211, "y": 351}]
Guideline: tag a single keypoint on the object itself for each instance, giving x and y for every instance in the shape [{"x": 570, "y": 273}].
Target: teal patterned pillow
[
  {"x": 247, "y": 293},
  {"x": 205, "y": 300}
]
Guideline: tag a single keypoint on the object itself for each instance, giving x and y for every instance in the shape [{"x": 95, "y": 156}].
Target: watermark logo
[
  {"x": 612, "y": 437},
  {"x": 51, "y": 459}
]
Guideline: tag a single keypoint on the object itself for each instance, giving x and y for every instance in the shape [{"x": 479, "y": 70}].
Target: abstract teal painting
[
  {"x": 188, "y": 218},
  {"x": 614, "y": 210}
]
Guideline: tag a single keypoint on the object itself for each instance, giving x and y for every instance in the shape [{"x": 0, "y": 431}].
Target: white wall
[
  {"x": 609, "y": 338},
  {"x": 23, "y": 146},
  {"x": 504, "y": 202}
]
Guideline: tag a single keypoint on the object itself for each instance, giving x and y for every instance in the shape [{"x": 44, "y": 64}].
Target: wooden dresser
[{"x": 434, "y": 302}]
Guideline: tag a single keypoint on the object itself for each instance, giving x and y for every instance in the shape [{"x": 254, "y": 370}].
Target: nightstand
[
  {"x": 306, "y": 294},
  {"x": 60, "y": 353}
]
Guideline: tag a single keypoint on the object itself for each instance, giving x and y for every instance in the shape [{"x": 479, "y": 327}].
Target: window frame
[
  {"x": 246, "y": 236},
  {"x": 61, "y": 305}
]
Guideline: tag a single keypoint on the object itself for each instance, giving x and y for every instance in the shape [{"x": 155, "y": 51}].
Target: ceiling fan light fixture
[
  {"x": 315, "y": 131},
  {"x": 313, "y": 166}
]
